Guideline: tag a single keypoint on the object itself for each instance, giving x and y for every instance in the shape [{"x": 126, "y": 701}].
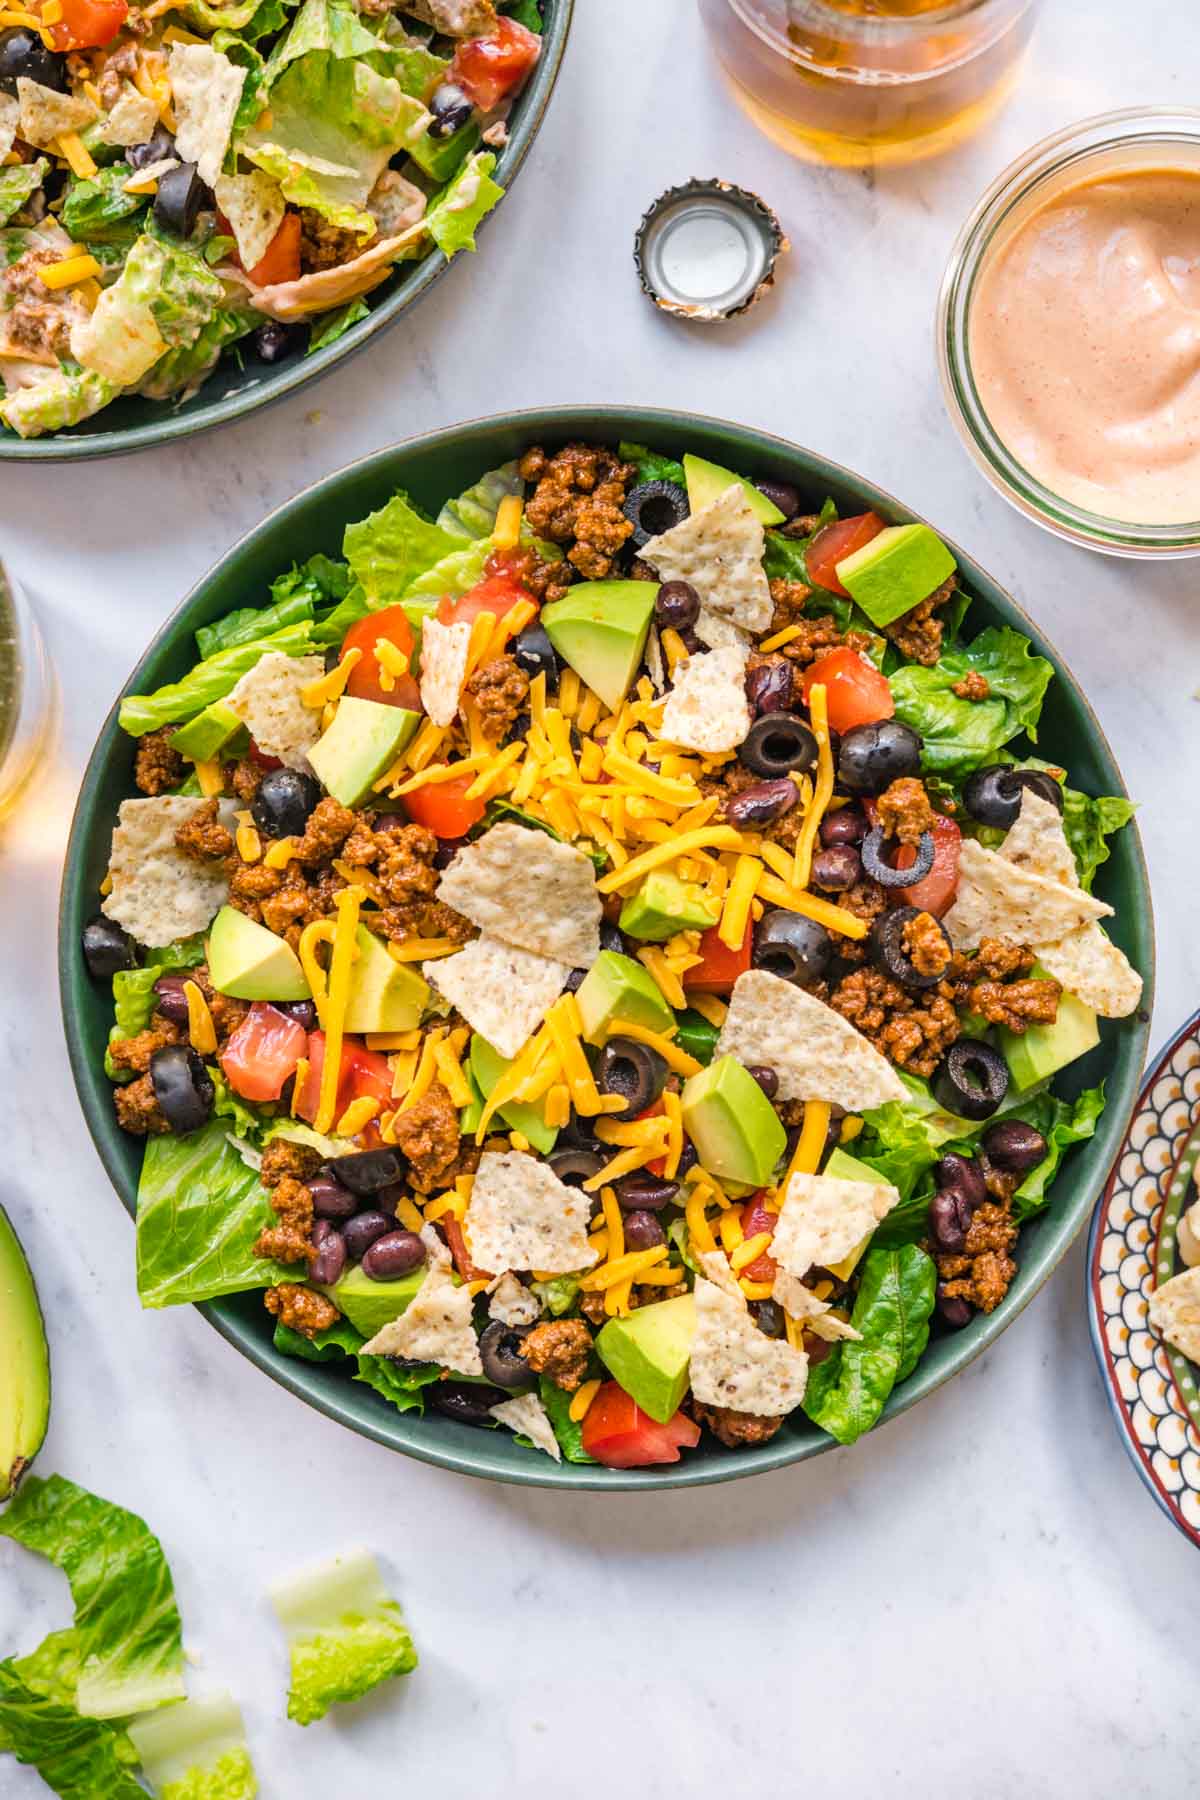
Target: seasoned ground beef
[
  {"x": 134, "y": 1053},
  {"x": 288, "y": 1242},
  {"x": 322, "y": 245},
  {"x": 577, "y": 501},
  {"x": 1016, "y": 1004},
  {"x": 295, "y": 901},
  {"x": 973, "y": 686},
  {"x": 157, "y": 767},
  {"x": 427, "y": 1134},
  {"x": 592, "y": 1308},
  {"x": 817, "y": 636},
  {"x": 499, "y": 690},
  {"x": 282, "y": 1159},
  {"x": 914, "y": 1032},
  {"x": 329, "y": 825},
  {"x": 734, "y": 1428},
  {"x": 243, "y": 779},
  {"x": 202, "y": 837},
  {"x": 405, "y": 871},
  {"x": 904, "y": 811},
  {"x": 560, "y": 1349},
  {"x": 301, "y": 1309},
  {"x": 547, "y": 580},
  {"x": 924, "y": 944},
  {"x": 917, "y": 634},
  {"x": 866, "y": 900},
  {"x": 983, "y": 1270},
  {"x": 138, "y": 1112}
]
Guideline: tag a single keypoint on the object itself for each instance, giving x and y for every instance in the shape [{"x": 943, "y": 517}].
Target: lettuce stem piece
[
  {"x": 345, "y": 1633},
  {"x": 196, "y": 1750}
]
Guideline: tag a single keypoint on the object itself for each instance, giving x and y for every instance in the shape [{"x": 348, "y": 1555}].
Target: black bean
[
  {"x": 676, "y": 605},
  {"x": 643, "y": 1231},
  {"x": 762, "y": 804},
  {"x": 170, "y": 999},
  {"x": 1014, "y": 1146},
  {"x": 770, "y": 687},
  {"x": 328, "y": 1256},
  {"x": 781, "y": 494},
  {"x": 848, "y": 825},
  {"x": 392, "y": 1255},
  {"x": 330, "y": 1199},
  {"x": 766, "y": 1078},
  {"x": 953, "y": 1310},
  {"x": 837, "y": 868},
  {"x": 361, "y": 1232}
]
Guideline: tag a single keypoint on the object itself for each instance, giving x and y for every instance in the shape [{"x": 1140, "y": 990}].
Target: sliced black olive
[
  {"x": 469, "y": 1402},
  {"x": 768, "y": 1315},
  {"x": 182, "y": 1086},
  {"x": 633, "y": 1070},
  {"x": 778, "y": 744},
  {"x": 500, "y": 1354},
  {"x": 156, "y": 147},
  {"x": 879, "y": 869},
  {"x": 180, "y": 199},
  {"x": 574, "y": 1167},
  {"x": 1014, "y": 1146},
  {"x": 873, "y": 756},
  {"x": 971, "y": 1080},
  {"x": 781, "y": 494},
  {"x": 450, "y": 108},
  {"x": 676, "y": 605},
  {"x": 275, "y": 341},
  {"x": 887, "y": 952},
  {"x": 283, "y": 802},
  {"x": 611, "y": 937},
  {"x": 653, "y": 507},
  {"x": 789, "y": 945},
  {"x": 365, "y": 1171},
  {"x": 22, "y": 52},
  {"x": 993, "y": 794},
  {"x": 533, "y": 652},
  {"x": 107, "y": 948}
]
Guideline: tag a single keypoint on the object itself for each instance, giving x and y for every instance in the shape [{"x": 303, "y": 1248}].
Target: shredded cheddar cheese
[
  {"x": 202, "y": 1034},
  {"x": 208, "y": 774},
  {"x": 818, "y": 713},
  {"x": 581, "y": 1400},
  {"x": 357, "y": 1116},
  {"x": 341, "y": 962},
  {"x": 506, "y": 532},
  {"x": 319, "y": 693}
]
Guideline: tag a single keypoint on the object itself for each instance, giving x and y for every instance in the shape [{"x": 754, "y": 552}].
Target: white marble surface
[{"x": 981, "y": 1600}]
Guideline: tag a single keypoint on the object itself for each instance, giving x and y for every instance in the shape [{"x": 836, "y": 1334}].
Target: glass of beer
[{"x": 866, "y": 82}]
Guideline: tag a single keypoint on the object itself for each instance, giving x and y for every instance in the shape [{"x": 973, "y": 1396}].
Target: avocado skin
[{"x": 24, "y": 1364}]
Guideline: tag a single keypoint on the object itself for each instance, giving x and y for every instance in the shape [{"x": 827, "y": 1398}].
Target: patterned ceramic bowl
[{"x": 1151, "y": 1388}]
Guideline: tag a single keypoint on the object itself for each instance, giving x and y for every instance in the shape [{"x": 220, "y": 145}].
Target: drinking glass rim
[
  {"x": 1011, "y": 187},
  {"x": 865, "y": 28}
]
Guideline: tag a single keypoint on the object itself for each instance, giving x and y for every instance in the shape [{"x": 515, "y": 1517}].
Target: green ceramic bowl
[
  {"x": 430, "y": 468},
  {"x": 231, "y": 392}
]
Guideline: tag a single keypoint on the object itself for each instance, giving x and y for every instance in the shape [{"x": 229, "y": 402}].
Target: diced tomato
[
  {"x": 495, "y": 594},
  {"x": 261, "y": 759},
  {"x": 937, "y": 890},
  {"x": 365, "y": 681},
  {"x": 855, "y": 691},
  {"x": 86, "y": 24},
  {"x": 363, "y": 1072},
  {"x": 833, "y": 543},
  {"x": 488, "y": 68},
  {"x": 280, "y": 261},
  {"x": 621, "y": 1436},
  {"x": 720, "y": 966},
  {"x": 263, "y": 1052},
  {"x": 443, "y": 807},
  {"x": 756, "y": 1219},
  {"x": 458, "y": 1248}
]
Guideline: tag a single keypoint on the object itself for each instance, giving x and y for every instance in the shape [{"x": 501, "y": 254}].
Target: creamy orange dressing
[{"x": 1084, "y": 343}]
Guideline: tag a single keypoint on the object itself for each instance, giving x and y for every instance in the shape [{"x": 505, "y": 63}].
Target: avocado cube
[
  {"x": 736, "y": 1131},
  {"x": 707, "y": 481},
  {"x": 615, "y": 988},
  {"x": 248, "y": 962},
  {"x": 895, "y": 571},
  {"x": 370, "y": 1305},
  {"x": 24, "y": 1363},
  {"x": 600, "y": 629},
  {"x": 1044, "y": 1049},
  {"x": 648, "y": 1354},
  {"x": 384, "y": 995},
  {"x": 364, "y": 738},
  {"x": 442, "y": 157},
  {"x": 210, "y": 732},
  {"x": 664, "y": 905},
  {"x": 487, "y": 1066}
]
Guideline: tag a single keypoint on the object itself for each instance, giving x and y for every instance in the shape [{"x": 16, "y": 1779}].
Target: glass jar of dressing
[
  {"x": 26, "y": 692},
  {"x": 1068, "y": 333}
]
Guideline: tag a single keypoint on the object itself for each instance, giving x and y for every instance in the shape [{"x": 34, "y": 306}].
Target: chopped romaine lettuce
[
  {"x": 558, "y": 1295},
  {"x": 133, "y": 993},
  {"x": 321, "y": 26},
  {"x": 1062, "y": 1123},
  {"x": 848, "y": 1389},
  {"x": 388, "y": 549},
  {"x": 455, "y": 213},
  {"x": 333, "y": 1344},
  {"x": 567, "y": 1430},
  {"x": 248, "y": 20},
  {"x": 525, "y": 12},
  {"x": 130, "y": 1638},
  {"x": 454, "y": 574},
  {"x": 253, "y": 622},
  {"x": 958, "y": 735},
  {"x": 329, "y": 327},
  {"x": 99, "y": 210},
  {"x": 67, "y": 396},
  {"x": 196, "y": 1751},
  {"x": 200, "y": 1210},
  {"x": 77, "y": 1758},
  {"x": 473, "y": 513},
  {"x": 402, "y": 1386},
  {"x": 210, "y": 680},
  {"x": 345, "y": 1634},
  {"x": 651, "y": 466},
  {"x": 182, "y": 369},
  {"x": 18, "y": 184}
]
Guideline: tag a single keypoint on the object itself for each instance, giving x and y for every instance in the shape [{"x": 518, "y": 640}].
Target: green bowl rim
[
  {"x": 1055, "y": 1231},
  {"x": 171, "y": 424}
]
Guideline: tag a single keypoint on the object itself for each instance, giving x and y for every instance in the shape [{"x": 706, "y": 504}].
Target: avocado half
[{"x": 24, "y": 1364}]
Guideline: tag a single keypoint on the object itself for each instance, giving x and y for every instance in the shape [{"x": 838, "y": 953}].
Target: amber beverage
[{"x": 869, "y": 81}]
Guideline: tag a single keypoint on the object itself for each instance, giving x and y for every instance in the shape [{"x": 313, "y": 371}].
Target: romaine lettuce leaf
[
  {"x": 455, "y": 213},
  {"x": 345, "y": 1634},
  {"x": 200, "y": 1210},
  {"x": 473, "y": 513},
  {"x": 333, "y": 1344},
  {"x": 454, "y": 574},
  {"x": 651, "y": 466},
  {"x": 959, "y": 735},
  {"x": 133, "y": 993},
  {"x": 244, "y": 1121},
  {"x": 18, "y": 183},
  {"x": 99, "y": 210},
  {"x": 196, "y": 1751},
  {"x": 321, "y": 26},
  {"x": 558, "y": 1295},
  {"x": 329, "y": 327},
  {"x": 67, "y": 396},
  {"x": 1062, "y": 1123},
  {"x": 210, "y": 680},
  {"x": 848, "y": 1390},
  {"x": 390, "y": 548},
  {"x": 130, "y": 1639},
  {"x": 77, "y": 1758},
  {"x": 183, "y": 369},
  {"x": 402, "y": 1386},
  {"x": 248, "y": 20},
  {"x": 525, "y": 12},
  {"x": 251, "y": 622},
  {"x": 567, "y": 1430}
]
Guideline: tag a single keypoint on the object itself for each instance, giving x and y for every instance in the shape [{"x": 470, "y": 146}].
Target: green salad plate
[{"x": 430, "y": 468}]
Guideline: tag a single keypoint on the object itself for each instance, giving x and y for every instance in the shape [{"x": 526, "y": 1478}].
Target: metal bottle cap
[{"x": 707, "y": 250}]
